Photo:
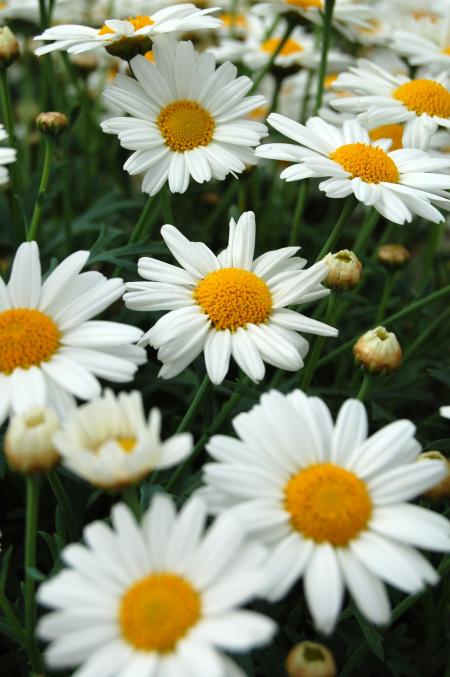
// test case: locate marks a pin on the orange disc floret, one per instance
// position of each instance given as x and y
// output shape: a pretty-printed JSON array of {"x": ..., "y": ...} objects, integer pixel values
[
  {"x": 185, "y": 125},
  {"x": 369, "y": 163},
  {"x": 424, "y": 96},
  {"x": 290, "y": 46},
  {"x": 27, "y": 338}
]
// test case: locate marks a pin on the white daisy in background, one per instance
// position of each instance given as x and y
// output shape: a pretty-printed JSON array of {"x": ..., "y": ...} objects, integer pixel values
[
  {"x": 228, "y": 305},
  {"x": 7, "y": 157},
  {"x": 160, "y": 599},
  {"x": 445, "y": 411},
  {"x": 187, "y": 118},
  {"x": 430, "y": 47},
  {"x": 383, "y": 98},
  {"x": 50, "y": 350},
  {"x": 398, "y": 184},
  {"x": 29, "y": 10},
  {"x": 329, "y": 501},
  {"x": 110, "y": 443},
  {"x": 75, "y": 38}
]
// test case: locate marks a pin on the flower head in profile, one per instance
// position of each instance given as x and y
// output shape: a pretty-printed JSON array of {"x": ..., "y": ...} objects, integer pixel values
[
  {"x": 160, "y": 598},
  {"x": 50, "y": 348},
  {"x": 187, "y": 119},
  {"x": 382, "y": 98},
  {"x": 330, "y": 501},
  {"x": 132, "y": 36},
  {"x": 399, "y": 183},
  {"x": 110, "y": 443},
  {"x": 428, "y": 45},
  {"x": 230, "y": 305},
  {"x": 7, "y": 157}
]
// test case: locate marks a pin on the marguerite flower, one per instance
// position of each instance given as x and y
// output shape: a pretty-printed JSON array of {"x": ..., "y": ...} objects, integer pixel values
[
  {"x": 330, "y": 501},
  {"x": 110, "y": 443},
  {"x": 430, "y": 49},
  {"x": 187, "y": 119},
  {"x": 7, "y": 156},
  {"x": 228, "y": 305},
  {"x": 383, "y": 98},
  {"x": 398, "y": 183},
  {"x": 139, "y": 30},
  {"x": 160, "y": 599},
  {"x": 50, "y": 350},
  {"x": 445, "y": 411}
]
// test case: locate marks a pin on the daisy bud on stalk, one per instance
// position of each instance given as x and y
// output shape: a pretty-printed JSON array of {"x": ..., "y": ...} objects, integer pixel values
[
  {"x": 344, "y": 270},
  {"x": 393, "y": 255},
  {"x": 29, "y": 444},
  {"x": 442, "y": 488},
  {"x": 310, "y": 659},
  {"x": 52, "y": 124},
  {"x": 378, "y": 351},
  {"x": 9, "y": 47}
]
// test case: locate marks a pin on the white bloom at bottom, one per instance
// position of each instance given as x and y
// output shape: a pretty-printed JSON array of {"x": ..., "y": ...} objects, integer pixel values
[
  {"x": 331, "y": 502},
  {"x": 110, "y": 443},
  {"x": 228, "y": 305},
  {"x": 159, "y": 599}
]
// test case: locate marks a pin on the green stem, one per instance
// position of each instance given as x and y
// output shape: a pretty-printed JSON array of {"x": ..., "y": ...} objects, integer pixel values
[
  {"x": 11, "y": 617},
  {"x": 189, "y": 416},
  {"x": 131, "y": 498},
  {"x": 64, "y": 504},
  {"x": 32, "y": 509},
  {"x": 44, "y": 15},
  {"x": 276, "y": 94},
  {"x": 364, "y": 387},
  {"x": 437, "y": 230},
  {"x": 366, "y": 230},
  {"x": 7, "y": 108},
  {"x": 142, "y": 222},
  {"x": 37, "y": 212},
  {"x": 267, "y": 67},
  {"x": 299, "y": 210},
  {"x": 318, "y": 345},
  {"x": 306, "y": 97},
  {"x": 326, "y": 37},
  {"x": 387, "y": 289},
  {"x": 349, "y": 206},
  {"x": 166, "y": 206}
]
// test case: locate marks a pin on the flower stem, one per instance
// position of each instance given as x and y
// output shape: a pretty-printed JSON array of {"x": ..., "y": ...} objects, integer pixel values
[
  {"x": 326, "y": 38},
  {"x": 267, "y": 67},
  {"x": 364, "y": 387},
  {"x": 131, "y": 498},
  {"x": 142, "y": 222},
  {"x": 318, "y": 345},
  {"x": 32, "y": 509},
  {"x": 366, "y": 230},
  {"x": 388, "y": 286},
  {"x": 349, "y": 206},
  {"x": 37, "y": 212},
  {"x": 64, "y": 504},
  {"x": 194, "y": 406},
  {"x": 276, "y": 94},
  {"x": 166, "y": 206},
  {"x": 299, "y": 210}
]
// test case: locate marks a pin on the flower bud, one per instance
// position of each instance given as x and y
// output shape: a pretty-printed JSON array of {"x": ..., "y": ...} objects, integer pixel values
[
  {"x": 442, "y": 488},
  {"x": 310, "y": 659},
  {"x": 9, "y": 47},
  {"x": 29, "y": 441},
  {"x": 393, "y": 255},
  {"x": 52, "y": 123},
  {"x": 344, "y": 270},
  {"x": 378, "y": 351}
]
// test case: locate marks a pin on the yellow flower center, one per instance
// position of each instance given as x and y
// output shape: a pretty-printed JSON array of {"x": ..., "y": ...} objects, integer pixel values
[
  {"x": 419, "y": 14},
  {"x": 27, "y": 338},
  {"x": 290, "y": 46},
  {"x": 149, "y": 56},
  {"x": 304, "y": 4},
  {"x": 234, "y": 20},
  {"x": 424, "y": 96},
  {"x": 233, "y": 298},
  {"x": 446, "y": 51},
  {"x": 394, "y": 132},
  {"x": 157, "y": 611},
  {"x": 127, "y": 444},
  {"x": 369, "y": 163},
  {"x": 185, "y": 125},
  {"x": 329, "y": 79},
  {"x": 137, "y": 21},
  {"x": 328, "y": 504}
]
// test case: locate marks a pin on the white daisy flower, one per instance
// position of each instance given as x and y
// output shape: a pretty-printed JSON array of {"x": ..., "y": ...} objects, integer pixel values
[
  {"x": 398, "y": 184},
  {"x": 29, "y": 10},
  {"x": 110, "y": 443},
  {"x": 383, "y": 98},
  {"x": 7, "y": 157},
  {"x": 330, "y": 501},
  {"x": 141, "y": 29},
  {"x": 430, "y": 47},
  {"x": 161, "y": 598},
  {"x": 50, "y": 349},
  {"x": 445, "y": 411},
  {"x": 187, "y": 118},
  {"x": 228, "y": 305}
]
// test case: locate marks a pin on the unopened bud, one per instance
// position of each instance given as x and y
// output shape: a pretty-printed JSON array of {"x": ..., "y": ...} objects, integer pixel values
[
  {"x": 86, "y": 62},
  {"x": 378, "y": 351},
  {"x": 9, "y": 47},
  {"x": 52, "y": 123},
  {"x": 442, "y": 488},
  {"x": 344, "y": 270},
  {"x": 393, "y": 255},
  {"x": 29, "y": 441},
  {"x": 310, "y": 659}
]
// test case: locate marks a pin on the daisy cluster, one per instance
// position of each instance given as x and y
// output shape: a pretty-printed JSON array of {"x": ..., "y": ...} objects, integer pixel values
[{"x": 355, "y": 93}]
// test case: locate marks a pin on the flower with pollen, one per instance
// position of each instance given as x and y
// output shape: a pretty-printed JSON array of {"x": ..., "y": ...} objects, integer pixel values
[
  {"x": 228, "y": 305},
  {"x": 330, "y": 501},
  {"x": 398, "y": 183},
  {"x": 162, "y": 597}
]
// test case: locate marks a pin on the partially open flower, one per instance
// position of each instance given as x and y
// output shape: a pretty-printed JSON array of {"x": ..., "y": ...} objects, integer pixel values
[
  {"x": 442, "y": 488},
  {"x": 310, "y": 659},
  {"x": 29, "y": 441},
  {"x": 52, "y": 123},
  {"x": 344, "y": 270},
  {"x": 9, "y": 47},
  {"x": 378, "y": 351},
  {"x": 393, "y": 255}
]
